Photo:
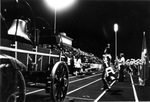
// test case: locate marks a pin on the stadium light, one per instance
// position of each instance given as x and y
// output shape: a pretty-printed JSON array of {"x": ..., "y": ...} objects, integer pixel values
[
  {"x": 116, "y": 29},
  {"x": 58, "y": 5}
]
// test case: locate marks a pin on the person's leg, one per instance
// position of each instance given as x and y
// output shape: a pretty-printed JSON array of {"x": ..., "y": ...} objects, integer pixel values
[
  {"x": 105, "y": 83},
  {"x": 121, "y": 77}
]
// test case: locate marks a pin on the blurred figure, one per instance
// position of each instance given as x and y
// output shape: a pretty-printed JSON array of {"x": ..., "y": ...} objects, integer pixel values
[
  {"x": 121, "y": 64},
  {"x": 107, "y": 49},
  {"x": 143, "y": 75},
  {"x": 128, "y": 67},
  {"x": 106, "y": 64},
  {"x": 69, "y": 63},
  {"x": 72, "y": 65},
  {"x": 78, "y": 65}
]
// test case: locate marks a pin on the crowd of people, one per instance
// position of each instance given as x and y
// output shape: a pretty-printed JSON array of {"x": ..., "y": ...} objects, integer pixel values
[
  {"x": 78, "y": 61},
  {"x": 121, "y": 65}
]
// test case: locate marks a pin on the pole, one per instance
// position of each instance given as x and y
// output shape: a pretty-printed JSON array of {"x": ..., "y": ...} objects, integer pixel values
[
  {"x": 116, "y": 45},
  {"x": 55, "y": 21}
]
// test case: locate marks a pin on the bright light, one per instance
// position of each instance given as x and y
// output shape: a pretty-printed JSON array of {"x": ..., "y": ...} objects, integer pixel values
[
  {"x": 115, "y": 27},
  {"x": 66, "y": 41},
  {"x": 59, "y": 4}
]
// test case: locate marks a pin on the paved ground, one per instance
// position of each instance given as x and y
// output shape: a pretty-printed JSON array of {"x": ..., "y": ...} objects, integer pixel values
[{"x": 88, "y": 89}]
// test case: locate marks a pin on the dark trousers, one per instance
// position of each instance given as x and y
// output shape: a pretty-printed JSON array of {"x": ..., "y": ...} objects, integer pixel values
[
  {"x": 121, "y": 74},
  {"x": 104, "y": 80},
  {"x": 71, "y": 69}
]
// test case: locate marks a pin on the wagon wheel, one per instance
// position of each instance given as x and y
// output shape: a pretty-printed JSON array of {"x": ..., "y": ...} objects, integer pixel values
[
  {"x": 18, "y": 95},
  {"x": 59, "y": 82}
]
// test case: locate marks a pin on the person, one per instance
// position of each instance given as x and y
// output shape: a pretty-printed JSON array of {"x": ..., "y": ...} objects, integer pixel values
[
  {"x": 121, "y": 64},
  {"x": 78, "y": 65},
  {"x": 68, "y": 60},
  {"x": 72, "y": 64},
  {"x": 128, "y": 67},
  {"x": 106, "y": 64},
  {"x": 144, "y": 72},
  {"x": 107, "y": 51}
]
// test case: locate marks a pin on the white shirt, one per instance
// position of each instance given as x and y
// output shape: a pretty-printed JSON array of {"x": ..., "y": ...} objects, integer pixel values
[
  {"x": 121, "y": 61},
  {"x": 78, "y": 63}
]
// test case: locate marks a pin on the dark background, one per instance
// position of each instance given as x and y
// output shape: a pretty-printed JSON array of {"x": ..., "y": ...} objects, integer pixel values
[{"x": 90, "y": 22}]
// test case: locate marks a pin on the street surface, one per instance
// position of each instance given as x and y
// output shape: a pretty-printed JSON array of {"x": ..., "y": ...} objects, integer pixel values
[{"x": 88, "y": 89}]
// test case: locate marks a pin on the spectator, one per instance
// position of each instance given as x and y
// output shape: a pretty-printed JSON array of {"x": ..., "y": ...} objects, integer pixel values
[
  {"x": 72, "y": 64},
  {"x": 78, "y": 65}
]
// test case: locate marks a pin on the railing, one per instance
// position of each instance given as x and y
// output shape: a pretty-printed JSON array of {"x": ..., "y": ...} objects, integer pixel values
[{"x": 27, "y": 52}]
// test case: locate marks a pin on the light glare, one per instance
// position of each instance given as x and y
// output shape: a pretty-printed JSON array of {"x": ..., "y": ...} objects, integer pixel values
[
  {"x": 115, "y": 27},
  {"x": 66, "y": 41},
  {"x": 59, "y": 4}
]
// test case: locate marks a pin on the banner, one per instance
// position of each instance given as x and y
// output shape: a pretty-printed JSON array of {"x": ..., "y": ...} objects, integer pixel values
[{"x": 144, "y": 69}]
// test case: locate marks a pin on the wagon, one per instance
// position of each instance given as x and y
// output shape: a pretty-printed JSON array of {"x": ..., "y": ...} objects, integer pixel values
[
  {"x": 22, "y": 64},
  {"x": 25, "y": 60}
]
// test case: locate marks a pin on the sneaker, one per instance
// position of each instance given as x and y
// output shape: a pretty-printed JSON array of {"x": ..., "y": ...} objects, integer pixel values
[
  {"x": 102, "y": 89},
  {"x": 105, "y": 88},
  {"x": 141, "y": 84}
]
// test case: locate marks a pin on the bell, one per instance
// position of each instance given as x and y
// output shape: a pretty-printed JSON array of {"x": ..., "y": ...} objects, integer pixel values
[{"x": 21, "y": 30}]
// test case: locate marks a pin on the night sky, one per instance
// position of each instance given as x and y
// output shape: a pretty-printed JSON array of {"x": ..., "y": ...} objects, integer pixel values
[{"x": 90, "y": 23}]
